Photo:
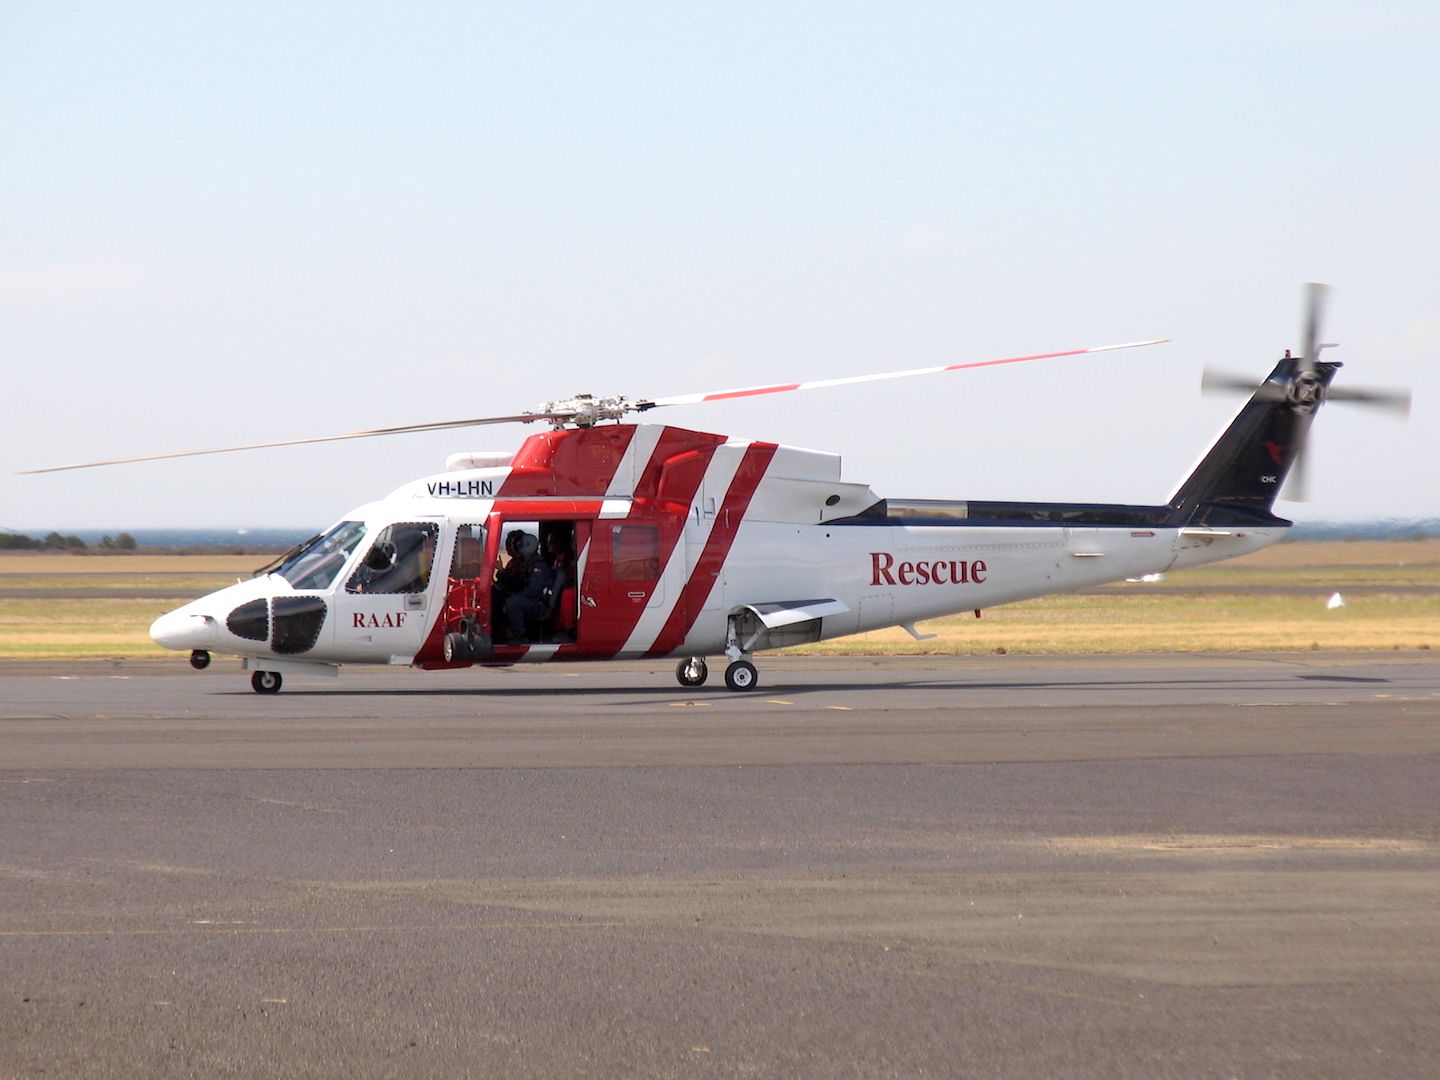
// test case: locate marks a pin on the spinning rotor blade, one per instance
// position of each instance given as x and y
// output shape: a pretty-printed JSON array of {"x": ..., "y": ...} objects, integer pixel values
[
  {"x": 441, "y": 426},
  {"x": 820, "y": 384},
  {"x": 1212, "y": 381},
  {"x": 1297, "y": 485},
  {"x": 1397, "y": 401},
  {"x": 585, "y": 410},
  {"x": 1316, "y": 295},
  {"x": 1306, "y": 389}
]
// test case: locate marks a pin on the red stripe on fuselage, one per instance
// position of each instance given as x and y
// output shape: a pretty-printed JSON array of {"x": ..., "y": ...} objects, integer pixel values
[
  {"x": 537, "y": 509},
  {"x": 555, "y": 463},
  {"x": 717, "y": 548},
  {"x": 577, "y": 462},
  {"x": 672, "y": 441},
  {"x": 671, "y": 522}
]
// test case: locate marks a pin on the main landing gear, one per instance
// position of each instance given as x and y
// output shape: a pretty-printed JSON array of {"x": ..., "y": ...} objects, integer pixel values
[
  {"x": 266, "y": 682},
  {"x": 740, "y": 675}
]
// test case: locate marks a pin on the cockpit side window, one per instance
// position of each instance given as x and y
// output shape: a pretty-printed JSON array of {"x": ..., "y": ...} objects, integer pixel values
[
  {"x": 468, "y": 560},
  {"x": 399, "y": 561},
  {"x": 318, "y": 563}
]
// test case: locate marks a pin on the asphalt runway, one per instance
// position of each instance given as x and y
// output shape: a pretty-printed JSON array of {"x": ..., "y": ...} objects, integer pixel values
[{"x": 1006, "y": 866}]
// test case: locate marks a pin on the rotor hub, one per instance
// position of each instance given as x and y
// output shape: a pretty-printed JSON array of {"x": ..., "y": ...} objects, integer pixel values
[
  {"x": 586, "y": 410},
  {"x": 1306, "y": 391}
]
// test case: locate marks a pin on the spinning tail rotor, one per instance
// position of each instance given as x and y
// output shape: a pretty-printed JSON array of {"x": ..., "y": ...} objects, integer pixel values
[{"x": 1303, "y": 384}]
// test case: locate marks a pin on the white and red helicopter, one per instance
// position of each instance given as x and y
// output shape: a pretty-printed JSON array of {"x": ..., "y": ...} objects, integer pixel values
[{"x": 657, "y": 541}]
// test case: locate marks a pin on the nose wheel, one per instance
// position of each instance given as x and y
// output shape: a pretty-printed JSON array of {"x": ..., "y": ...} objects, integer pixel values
[{"x": 692, "y": 672}]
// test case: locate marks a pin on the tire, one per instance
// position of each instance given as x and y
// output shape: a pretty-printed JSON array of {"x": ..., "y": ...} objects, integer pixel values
[
  {"x": 266, "y": 682},
  {"x": 199, "y": 659},
  {"x": 684, "y": 675},
  {"x": 741, "y": 675},
  {"x": 457, "y": 648}
]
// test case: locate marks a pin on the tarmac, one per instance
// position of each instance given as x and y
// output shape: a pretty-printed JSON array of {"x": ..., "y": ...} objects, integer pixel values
[{"x": 1002, "y": 866}]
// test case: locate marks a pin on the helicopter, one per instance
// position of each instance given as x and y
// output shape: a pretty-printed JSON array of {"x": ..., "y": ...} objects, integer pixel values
[{"x": 604, "y": 539}]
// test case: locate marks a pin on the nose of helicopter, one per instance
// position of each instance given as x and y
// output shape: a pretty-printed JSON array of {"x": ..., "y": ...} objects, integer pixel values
[{"x": 185, "y": 629}]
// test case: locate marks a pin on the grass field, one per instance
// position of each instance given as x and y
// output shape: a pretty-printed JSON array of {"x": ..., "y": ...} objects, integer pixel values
[{"x": 56, "y": 606}]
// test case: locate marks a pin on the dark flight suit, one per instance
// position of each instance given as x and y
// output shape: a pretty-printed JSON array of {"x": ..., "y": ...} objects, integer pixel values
[{"x": 531, "y": 602}]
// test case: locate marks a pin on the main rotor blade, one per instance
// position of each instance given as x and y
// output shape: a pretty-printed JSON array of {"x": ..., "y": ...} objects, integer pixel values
[
  {"x": 401, "y": 430},
  {"x": 851, "y": 380},
  {"x": 587, "y": 410}
]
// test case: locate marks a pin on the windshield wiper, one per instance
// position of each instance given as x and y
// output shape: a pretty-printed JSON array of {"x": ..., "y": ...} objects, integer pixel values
[{"x": 281, "y": 560}]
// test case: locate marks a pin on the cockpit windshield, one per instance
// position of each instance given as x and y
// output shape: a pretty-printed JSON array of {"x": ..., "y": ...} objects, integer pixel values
[{"x": 316, "y": 564}]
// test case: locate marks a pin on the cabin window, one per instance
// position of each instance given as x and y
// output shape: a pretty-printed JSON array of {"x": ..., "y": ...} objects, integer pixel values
[
  {"x": 635, "y": 552},
  {"x": 399, "y": 561},
  {"x": 469, "y": 558},
  {"x": 319, "y": 562}
]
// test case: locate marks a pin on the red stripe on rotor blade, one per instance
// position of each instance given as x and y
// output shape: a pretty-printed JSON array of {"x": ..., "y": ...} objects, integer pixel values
[
  {"x": 717, "y": 548},
  {"x": 1013, "y": 359},
  {"x": 752, "y": 392}
]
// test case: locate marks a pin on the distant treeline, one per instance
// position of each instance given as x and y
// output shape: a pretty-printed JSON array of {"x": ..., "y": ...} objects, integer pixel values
[
  {"x": 55, "y": 541},
  {"x": 1412, "y": 529},
  {"x": 218, "y": 541}
]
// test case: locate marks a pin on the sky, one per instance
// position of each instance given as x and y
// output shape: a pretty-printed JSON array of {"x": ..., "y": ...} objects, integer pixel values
[{"x": 233, "y": 223}]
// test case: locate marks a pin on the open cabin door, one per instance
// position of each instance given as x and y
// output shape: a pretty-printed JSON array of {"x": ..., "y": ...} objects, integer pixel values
[{"x": 530, "y": 587}]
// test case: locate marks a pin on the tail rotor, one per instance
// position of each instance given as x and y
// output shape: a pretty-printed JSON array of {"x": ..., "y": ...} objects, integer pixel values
[{"x": 1305, "y": 387}]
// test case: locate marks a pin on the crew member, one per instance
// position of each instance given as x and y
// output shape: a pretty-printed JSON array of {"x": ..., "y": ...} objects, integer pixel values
[{"x": 532, "y": 600}]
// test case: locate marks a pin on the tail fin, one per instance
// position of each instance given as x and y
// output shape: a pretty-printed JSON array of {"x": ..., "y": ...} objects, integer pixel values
[{"x": 1237, "y": 481}]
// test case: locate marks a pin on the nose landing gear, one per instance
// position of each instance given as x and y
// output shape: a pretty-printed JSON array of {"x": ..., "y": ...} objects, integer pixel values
[
  {"x": 199, "y": 659},
  {"x": 692, "y": 672}
]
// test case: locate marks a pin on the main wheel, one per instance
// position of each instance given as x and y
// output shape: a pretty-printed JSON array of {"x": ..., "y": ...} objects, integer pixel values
[
  {"x": 692, "y": 672},
  {"x": 266, "y": 682},
  {"x": 457, "y": 648},
  {"x": 741, "y": 675}
]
